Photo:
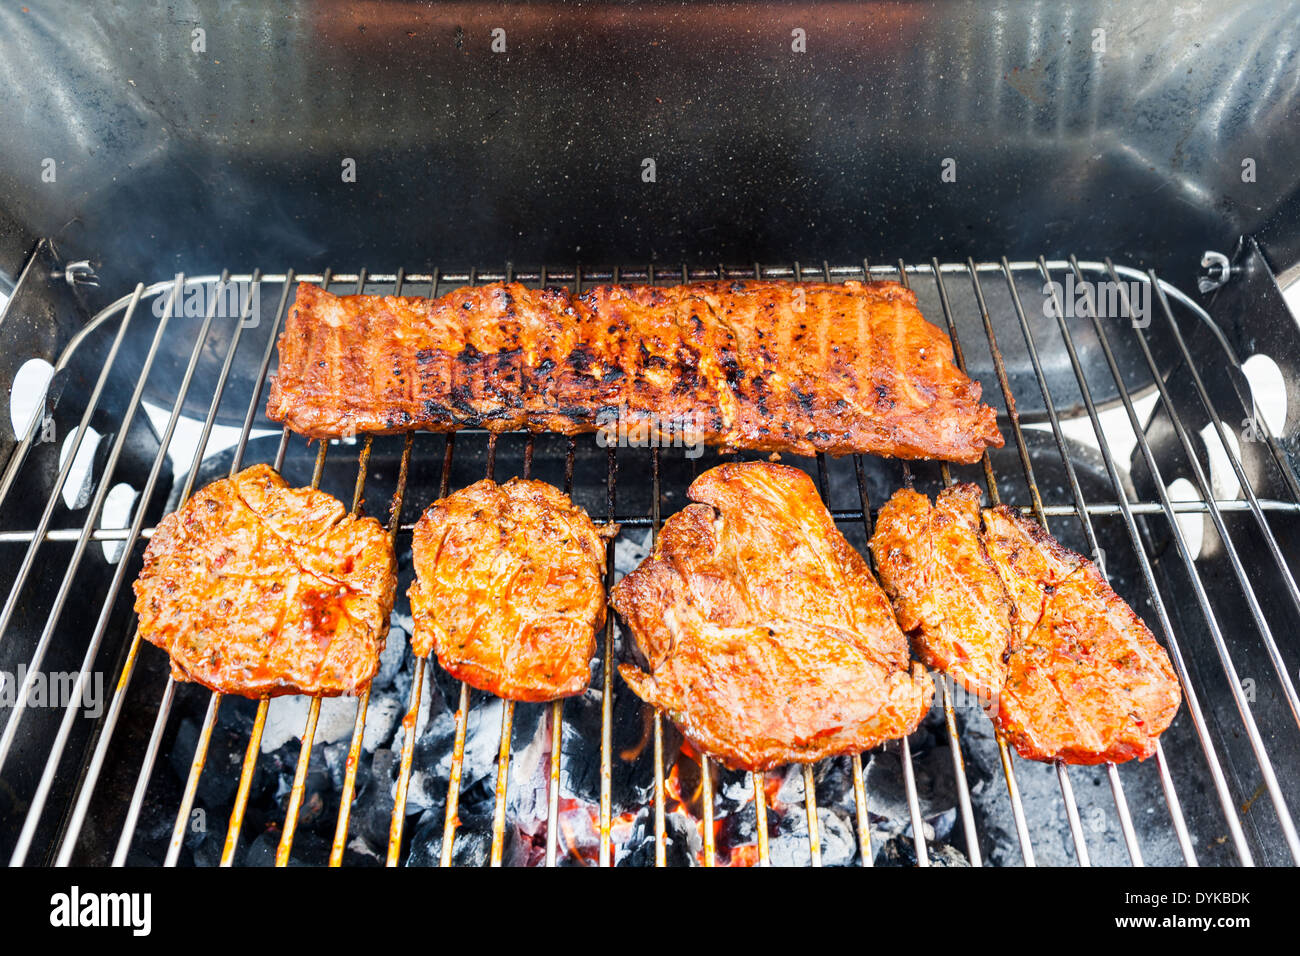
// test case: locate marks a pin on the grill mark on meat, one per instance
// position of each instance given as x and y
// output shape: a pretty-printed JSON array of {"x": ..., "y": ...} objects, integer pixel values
[{"x": 729, "y": 355}]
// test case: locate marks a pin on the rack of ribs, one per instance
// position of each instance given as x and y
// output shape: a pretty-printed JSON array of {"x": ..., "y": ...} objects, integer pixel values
[{"x": 756, "y": 365}]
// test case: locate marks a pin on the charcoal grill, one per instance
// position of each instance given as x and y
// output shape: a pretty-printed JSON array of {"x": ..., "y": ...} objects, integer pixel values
[
  {"x": 931, "y": 138},
  {"x": 1215, "y": 790}
]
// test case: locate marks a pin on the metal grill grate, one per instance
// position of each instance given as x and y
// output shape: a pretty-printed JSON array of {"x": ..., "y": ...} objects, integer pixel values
[{"x": 1078, "y": 344}]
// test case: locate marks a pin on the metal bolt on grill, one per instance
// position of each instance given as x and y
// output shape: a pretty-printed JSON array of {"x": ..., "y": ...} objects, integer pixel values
[{"x": 58, "y": 803}]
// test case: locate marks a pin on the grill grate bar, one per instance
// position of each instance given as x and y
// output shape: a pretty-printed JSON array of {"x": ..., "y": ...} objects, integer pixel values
[
  {"x": 246, "y": 771},
  {"x": 706, "y": 779},
  {"x": 197, "y": 762},
  {"x": 758, "y": 780},
  {"x": 607, "y": 660},
  {"x": 1175, "y": 807},
  {"x": 1086, "y": 392},
  {"x": 285, "y": 846},
  {"x": 507, "y": 713},
  {"x": 249, "y": 765},
  {"x": 411, "y": 722},
  {"x": 1125, "y": 820},
  {"x": 452, "y": 821},
  {"x": 863, "y": 814},
  {"x": 409, "y": 725},
  {"x": 503, "y": 778},
  {"x": 507, "y": 706},
  {"x": 1017, "y": 806},
  {"x": 810, "y": 809},
  {"x": 913, "y": 805},
  {"x": 1098, "y": 509},
  {"x": 661, "y": 852},
  {"x": 1072, "y": 814},
  {"x": 363, "y": 701},
  {"x": 645, "y": 274},
  {"x": 607, "y": 680},
  {"x": 909, "y": 774},
  {"x": 557, "y": 707},
  {"x": 909, "y": 777},
  {"x": 453, "y": 783}
]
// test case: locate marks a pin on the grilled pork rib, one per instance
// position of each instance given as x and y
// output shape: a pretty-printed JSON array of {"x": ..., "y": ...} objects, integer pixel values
[
  {"x": 509, "y": 589},
  {"x": 760, "y": 365},
  {"x": 256, "y": 588},
  {"x": 765, "y": 636},
  {"x": 1005, "y": 609}
]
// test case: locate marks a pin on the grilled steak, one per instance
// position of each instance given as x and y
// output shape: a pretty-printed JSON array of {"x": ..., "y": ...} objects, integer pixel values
[
  {"x": 770, "y": 366},
  {"x": 509, "y": 590},
  {"x": 946, "y": 592},
  {"x": 259, "y": 589},
  {"x": 1082, "y": 680},
  {"x": 1086, "y": 681},
  {"x": 764, "y": 635}
]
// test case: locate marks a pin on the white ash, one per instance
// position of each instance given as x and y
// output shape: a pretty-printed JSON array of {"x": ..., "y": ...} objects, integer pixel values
[{"x": 630, "y": 549}]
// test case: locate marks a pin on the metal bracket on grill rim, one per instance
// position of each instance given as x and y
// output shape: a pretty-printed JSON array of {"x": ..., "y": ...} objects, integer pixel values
[{"x": 1215, "y": 271}]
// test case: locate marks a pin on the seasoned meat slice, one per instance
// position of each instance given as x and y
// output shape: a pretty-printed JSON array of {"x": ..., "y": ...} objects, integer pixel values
[
  {"x": 509, "y": 591},
  {"x": 997, "y": 603},
  {"x": 764, "y": 635},
  {"x": 946, "y": 591},
  {"x": 762, "y": 365},
  {"x": 259, "y": 589},
  {"x": 1086, "y": 682}
]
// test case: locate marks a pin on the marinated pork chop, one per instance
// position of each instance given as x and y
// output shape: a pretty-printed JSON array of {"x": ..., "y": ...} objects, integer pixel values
[
  {"x": 1080, "y": 679},
  {"x": 509, "y": 590},
  {"x": 1086, "y": 682},
  {"x": 765, "y": 636},
  {"x": 259, "y": 589},
  {"x": 947, "y": 594},
  {"x": 770, "y": 366}
]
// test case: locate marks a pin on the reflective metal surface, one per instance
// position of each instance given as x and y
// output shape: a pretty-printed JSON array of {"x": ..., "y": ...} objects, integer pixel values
[{"x": 1129, "y": 141}]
